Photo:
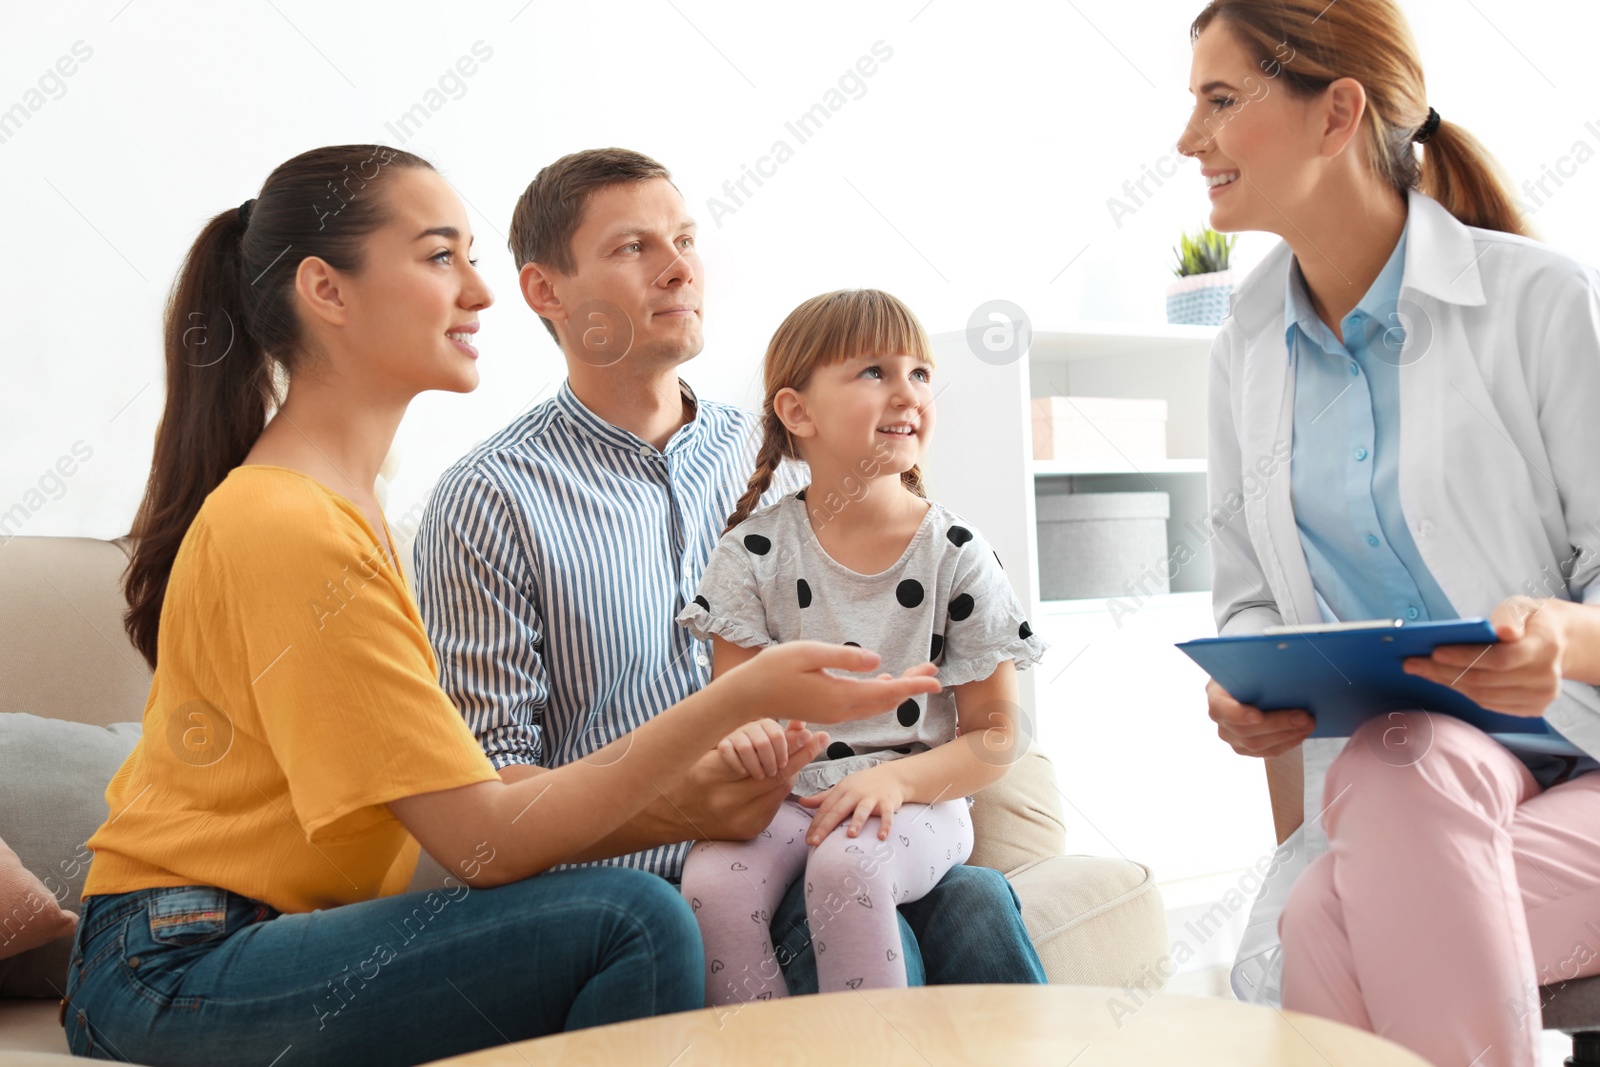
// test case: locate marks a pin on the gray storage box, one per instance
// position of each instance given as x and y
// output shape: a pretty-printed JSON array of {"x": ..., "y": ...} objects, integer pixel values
[{"x": 1095, "y": 544}]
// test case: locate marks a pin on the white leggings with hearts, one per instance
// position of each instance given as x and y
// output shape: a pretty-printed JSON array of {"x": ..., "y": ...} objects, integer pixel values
[{"x": 852, "y": 887}]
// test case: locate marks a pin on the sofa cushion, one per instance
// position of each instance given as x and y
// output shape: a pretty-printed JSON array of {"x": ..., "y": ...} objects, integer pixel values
[
  {"x": 30, "y": 1033},
  {"x": 1095, "y": 920},
  {"x": 63, "y": 651},
  {"x": 30, "y": 915},
  {"x": 55, "y": 774},
  {"x": 1018, "y": 820}
]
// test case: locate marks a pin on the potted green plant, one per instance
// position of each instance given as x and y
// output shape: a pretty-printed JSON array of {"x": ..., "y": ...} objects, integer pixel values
[{"x": 1200, "y": 295}]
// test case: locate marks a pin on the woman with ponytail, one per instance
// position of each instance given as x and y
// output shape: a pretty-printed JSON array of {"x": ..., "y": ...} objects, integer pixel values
[
  {"x": 247, "y": 896},
  {"x": 859, "y": 555},
  {"x": 1431, "y": 375}
]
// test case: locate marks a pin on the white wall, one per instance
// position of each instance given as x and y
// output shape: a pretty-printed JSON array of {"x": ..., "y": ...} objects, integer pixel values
[{"x": 977, "y": 164}]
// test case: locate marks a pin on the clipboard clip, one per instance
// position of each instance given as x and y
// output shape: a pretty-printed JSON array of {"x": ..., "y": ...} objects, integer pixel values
[{"x": 1332, "y": 627}]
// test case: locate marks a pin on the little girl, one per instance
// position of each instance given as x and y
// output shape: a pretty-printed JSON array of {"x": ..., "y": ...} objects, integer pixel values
[{"x": 857, "y": 557}]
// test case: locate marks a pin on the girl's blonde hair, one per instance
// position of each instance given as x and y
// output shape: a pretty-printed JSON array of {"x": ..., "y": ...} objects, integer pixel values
[
  {"x": 826, "y": 330},
  {"x": 1310, "y": 43}
]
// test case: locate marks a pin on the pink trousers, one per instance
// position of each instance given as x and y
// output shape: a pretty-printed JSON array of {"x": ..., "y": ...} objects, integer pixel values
[{"x": 1453, "y": 888}]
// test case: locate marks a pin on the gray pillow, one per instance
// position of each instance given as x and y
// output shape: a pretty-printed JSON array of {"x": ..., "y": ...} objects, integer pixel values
[{"x": 53, "y": 778}]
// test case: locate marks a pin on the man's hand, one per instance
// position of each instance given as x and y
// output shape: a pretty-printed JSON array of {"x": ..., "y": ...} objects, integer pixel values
[
  {"x": 1519, "y": 676},
  {"x": 713, "y": 801}
]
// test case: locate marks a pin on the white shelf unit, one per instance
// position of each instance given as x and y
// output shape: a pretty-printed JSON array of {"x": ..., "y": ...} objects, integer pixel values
[
  {"x": 1118, "y": 709},
  {"x": 1137, "y": 361},
  {"x": 1050, "y": 467},
  {"x": 981, "y": 463}
]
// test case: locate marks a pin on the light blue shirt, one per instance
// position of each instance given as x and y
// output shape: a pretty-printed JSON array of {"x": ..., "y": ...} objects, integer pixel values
[{"x": 1345, "y": 475}]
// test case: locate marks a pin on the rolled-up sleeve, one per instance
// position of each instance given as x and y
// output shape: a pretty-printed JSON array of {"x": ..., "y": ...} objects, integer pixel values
[{"x": 477, "y": 591}]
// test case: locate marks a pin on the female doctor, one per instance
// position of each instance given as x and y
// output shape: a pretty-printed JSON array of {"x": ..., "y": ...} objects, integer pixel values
[{"x": 1436, "y": 375}]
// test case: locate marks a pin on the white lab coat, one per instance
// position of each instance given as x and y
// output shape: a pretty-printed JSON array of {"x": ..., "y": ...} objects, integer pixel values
[{"x": 1499, "y": 469}]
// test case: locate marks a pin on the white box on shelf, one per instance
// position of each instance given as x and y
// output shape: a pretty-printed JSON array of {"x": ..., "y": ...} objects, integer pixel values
[
  {"x": 1099, "y": 428},
  {"x": 1092, "y": 544}
]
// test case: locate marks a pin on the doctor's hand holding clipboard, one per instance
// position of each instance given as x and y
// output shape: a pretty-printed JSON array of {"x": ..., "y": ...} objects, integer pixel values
[
  {"x": 1518, "y": 676},
  {"x": 1522, "y": 674}
]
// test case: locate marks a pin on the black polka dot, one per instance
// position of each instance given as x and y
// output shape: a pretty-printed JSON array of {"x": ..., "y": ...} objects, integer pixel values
[
  {"x": 1024, "y": 631},
  {"x": 803, "y": 591},
  {"x": 801, "y": 495},
  {"x": 853, "y": 644},
  {"x": 935, "y": 648},
  {"x": 909, "y": 593},
  {"x": 997, "y": 560},
  {"x": 961, "y": 607},
  {"x": 909, "y": 713},
  {"x": 757, "y": 544},
  {"x": 840, "y": 750},
  {"x": 959, "y": 535},
  {"x": 703, "y": 602}
]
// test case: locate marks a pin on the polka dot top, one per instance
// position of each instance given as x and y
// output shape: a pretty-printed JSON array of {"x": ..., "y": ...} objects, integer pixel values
[{"x": 946, "y": 599}]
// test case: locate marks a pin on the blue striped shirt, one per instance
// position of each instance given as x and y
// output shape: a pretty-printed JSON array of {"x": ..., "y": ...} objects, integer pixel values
[{"x": 551, "y": 563}]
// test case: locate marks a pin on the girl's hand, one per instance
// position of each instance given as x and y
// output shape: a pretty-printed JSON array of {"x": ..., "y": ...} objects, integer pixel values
[
  {"x": 1253, "y": 732},
  {"x": 790, "y": 681},
  {"x": 874, "y": 790},
  {"x": 1521, "y": 675},
  {"x": 761, "y": 749}
]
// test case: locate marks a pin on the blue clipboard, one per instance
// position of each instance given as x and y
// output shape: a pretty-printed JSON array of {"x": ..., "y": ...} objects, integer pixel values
[{"x": 1347, "y": 673}]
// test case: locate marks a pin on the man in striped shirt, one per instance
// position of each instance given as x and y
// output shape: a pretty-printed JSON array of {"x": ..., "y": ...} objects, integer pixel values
[{"x": 553, "y": 559}]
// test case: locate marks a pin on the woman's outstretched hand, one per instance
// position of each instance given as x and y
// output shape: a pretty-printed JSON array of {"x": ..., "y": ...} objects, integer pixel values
[
  {"x": 1253, "y": 732},
  {"x": 1519, "y": 676},
  {"x": 790, "y": 681}
]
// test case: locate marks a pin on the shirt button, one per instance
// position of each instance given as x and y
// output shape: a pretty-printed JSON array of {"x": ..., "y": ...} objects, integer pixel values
[
  {"x": 1355, "y": 368},
  {"x": 645, "y": 450},
  {"x": 1361, "y": 453},
  {"x": 701, "y": 659},
  {"x": 1412, "y": 613},
  {"x": 1425, "y": 528},
  {"x": 1372, "y": 539}
]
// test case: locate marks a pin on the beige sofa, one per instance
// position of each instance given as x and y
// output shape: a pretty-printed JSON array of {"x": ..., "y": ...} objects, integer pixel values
[{"x": 63, "y": 655}]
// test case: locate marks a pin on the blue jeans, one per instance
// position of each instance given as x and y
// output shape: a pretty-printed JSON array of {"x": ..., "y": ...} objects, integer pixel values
[
  {"x": 198, "y": 975},
  {"x": 969, "y": 929}
]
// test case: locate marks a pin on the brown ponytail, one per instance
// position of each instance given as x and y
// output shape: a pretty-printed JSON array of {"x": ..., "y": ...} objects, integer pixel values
[
  {"x": 1460, "y": 173},
  {"x": 1311, "y": 43},
  {"x": 827, "y": 329},
  {"x": 232, "y": 337}
]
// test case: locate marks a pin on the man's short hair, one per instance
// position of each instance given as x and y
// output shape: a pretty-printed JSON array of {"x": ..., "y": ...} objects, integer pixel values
[{"x": 550, "y": 209}]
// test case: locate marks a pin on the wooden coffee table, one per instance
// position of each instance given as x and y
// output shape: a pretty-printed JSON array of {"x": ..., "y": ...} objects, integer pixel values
[{"x": 933, "y": 1026}]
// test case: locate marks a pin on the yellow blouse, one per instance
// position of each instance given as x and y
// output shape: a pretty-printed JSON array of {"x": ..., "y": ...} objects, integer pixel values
[{"x": 295, "y": 695}]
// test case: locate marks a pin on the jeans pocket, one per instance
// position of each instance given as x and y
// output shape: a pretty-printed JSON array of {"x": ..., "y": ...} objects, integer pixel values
[{"x": 188, "y": 915}]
